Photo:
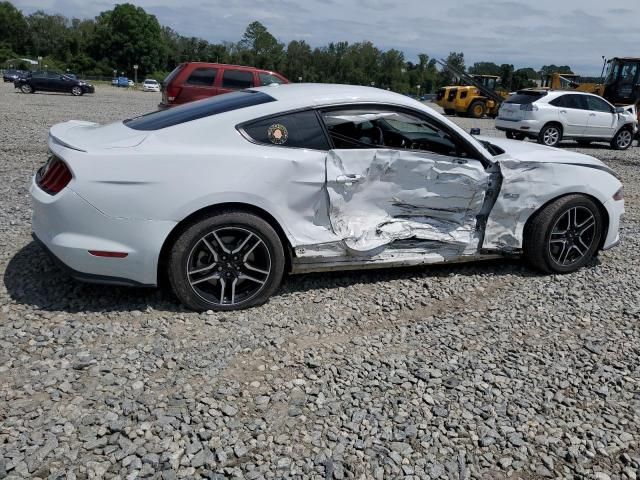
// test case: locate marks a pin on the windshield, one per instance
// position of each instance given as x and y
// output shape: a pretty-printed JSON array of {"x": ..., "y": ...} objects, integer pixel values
[{"x": 524, "y": 97}]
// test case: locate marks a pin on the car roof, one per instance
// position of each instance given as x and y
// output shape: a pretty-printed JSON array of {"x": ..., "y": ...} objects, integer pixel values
[
  {"x": 241, "y": 67},
  {"x": 316, "y": 94}
]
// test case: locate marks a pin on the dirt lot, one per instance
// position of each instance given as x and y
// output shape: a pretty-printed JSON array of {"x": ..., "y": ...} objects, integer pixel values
[{"x": 477, "y": 371}]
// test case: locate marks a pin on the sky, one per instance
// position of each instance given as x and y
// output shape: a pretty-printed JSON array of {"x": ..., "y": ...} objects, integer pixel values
[{"x": 521, "y": 32}]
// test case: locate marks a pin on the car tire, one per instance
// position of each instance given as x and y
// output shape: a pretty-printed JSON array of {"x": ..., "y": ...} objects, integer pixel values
[
  {"x": 477, "y": 109},
  {"x": 26, "y": 88},
  {"x": 550, "y": 135},
  {"x": 229, "y": 261},
  {"x": 76, "y": 91},
  {"x": 622, "y": 140},
  {"x": 564, "y": 236}
]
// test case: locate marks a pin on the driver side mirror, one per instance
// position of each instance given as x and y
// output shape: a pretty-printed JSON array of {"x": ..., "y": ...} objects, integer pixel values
[
  {"x": 618, "y": 110},
  {"x": 474, "y": 131}
]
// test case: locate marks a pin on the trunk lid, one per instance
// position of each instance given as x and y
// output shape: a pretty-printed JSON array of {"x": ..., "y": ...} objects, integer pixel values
[{"x": 87, "y": 136}]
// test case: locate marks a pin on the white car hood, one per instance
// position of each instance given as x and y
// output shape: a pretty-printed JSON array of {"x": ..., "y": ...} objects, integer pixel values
[
  {"x": 533, "y": 152},
  {"x": 87, "y": 136}
]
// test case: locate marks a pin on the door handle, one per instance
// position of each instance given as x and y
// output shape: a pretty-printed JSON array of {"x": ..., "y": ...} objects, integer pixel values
[
  {"x": 563, "y": 111},
  {"x": 592, "y": 114},
  {"x": 349, "y": 178}
]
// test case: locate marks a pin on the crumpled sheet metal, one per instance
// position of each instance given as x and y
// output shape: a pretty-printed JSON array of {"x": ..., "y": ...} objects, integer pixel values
[
  {"x": 404, "y": 195},
  {"x": 525, "y": 186}
]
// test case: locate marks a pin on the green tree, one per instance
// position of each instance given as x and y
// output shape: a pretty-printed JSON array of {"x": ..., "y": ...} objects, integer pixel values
[
  {"x": 128, "y": 36},
  {"x": 549, "y": 69},
  {"x": 260, "y": 47},
  {"x": 484, "y": 68},
  {"x": 456, "y": 60},
  {"x": 49, "y": 35},
  {"x": 14, "y": 29},
  {"x": 299, "y": 62}
]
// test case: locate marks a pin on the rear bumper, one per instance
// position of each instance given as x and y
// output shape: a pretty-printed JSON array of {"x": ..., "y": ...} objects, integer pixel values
[
  {"x": 87, "y": 277},
  {"x": 69, "y": 227},
  {"x": 522, "y": 126}
]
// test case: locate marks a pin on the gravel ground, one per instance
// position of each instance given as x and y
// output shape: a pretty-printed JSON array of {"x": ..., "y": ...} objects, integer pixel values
[{"x": 476, "y": 371}]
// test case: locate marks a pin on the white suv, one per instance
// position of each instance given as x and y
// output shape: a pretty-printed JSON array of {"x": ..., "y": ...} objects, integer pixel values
[{"x": 551, "y": 116}]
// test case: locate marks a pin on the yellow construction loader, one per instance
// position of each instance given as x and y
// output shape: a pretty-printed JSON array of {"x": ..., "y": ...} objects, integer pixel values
[{"x": 475, "y": 99}]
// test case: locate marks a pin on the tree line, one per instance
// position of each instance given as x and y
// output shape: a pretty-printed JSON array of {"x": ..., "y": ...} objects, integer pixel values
[{"x": 127, "y": 35}]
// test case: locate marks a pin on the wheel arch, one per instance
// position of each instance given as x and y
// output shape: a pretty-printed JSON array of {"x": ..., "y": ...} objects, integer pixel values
[
  {"x": 212, "y": 210},
  {"x": 554, "y": 122},
  {"x": 599, "y": 204}
]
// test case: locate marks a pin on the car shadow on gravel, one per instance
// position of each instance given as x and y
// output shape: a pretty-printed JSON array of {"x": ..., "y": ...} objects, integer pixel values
[{"x": 34, "y": 280}]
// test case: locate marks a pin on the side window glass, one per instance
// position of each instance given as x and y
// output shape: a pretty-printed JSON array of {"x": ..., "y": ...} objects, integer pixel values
[
  {"x": 268, "y": 79},
  {"x": 598, "y": 105},
  {"x": 203, "y": 76},
  {"x": 371, "y": 128},
  {"x": 299, "y": 130},
  {"x": 237, "y": 79},
  {"x": 560, "y": 101},
  {"x": 576, "y": 102}
]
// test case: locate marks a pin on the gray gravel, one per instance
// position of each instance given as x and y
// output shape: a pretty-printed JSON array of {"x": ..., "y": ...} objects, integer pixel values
[{"x": 476, "y": 371}]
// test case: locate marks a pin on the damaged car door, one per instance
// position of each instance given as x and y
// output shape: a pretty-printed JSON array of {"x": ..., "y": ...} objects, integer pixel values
[{"x": 401, "y": 184}]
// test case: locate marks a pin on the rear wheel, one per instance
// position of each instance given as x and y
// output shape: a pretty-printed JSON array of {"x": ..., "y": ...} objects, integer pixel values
[
  {"x": 477, "y": 109},
  {"x": 550, "y": 135},
  {"x": 229, "y": 261},
  {"x": 26, "y": 88},
  {"x": 564, "y": 236},
  {"x": 76, "y": 91},
  {"x": 622, "y": 140}
]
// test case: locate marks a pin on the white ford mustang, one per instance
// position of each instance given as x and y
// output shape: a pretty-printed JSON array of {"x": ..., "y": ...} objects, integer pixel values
[{"x": 226, "y": 194}]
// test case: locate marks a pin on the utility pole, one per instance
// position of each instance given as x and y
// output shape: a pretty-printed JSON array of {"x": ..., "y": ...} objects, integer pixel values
[{"x": 135, "y": 74}]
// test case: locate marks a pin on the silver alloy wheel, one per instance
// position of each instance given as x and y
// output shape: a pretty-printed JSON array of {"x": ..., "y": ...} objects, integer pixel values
[
  {"x": 551, "y": 136},
  {"x": 76, "y": 91},
  {"x": 624, "y": 139},
  {"x": 572, "y": 236},
  {"x": 26, "y": 88},
  {"x": 228, "y": 266}
]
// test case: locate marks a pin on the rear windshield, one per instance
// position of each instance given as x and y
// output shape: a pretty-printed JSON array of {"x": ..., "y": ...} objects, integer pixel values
[
  {"x": 523, "y": 98},
  {"x": 198, "y": 109}
]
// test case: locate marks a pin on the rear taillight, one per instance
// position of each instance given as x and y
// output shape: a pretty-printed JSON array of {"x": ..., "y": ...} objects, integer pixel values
[
  {"x": 529, "y": 107},
  {"x": 173, "y": 92},
  {"x": 54, "y": 176}
]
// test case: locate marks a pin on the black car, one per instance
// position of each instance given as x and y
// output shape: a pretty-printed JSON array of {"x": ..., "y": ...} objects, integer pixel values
[
  {"x": 52, "y": 82},
  {"x": 12, "y": 75}
]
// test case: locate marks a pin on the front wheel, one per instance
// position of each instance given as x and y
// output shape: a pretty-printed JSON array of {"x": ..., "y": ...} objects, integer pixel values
[
  {"x": 76, "y": 91},
  {"x": 564, "y": 236},
  {"x": 550, "y": 135},
  {"x": 228, "y": 261},
  {"x": 477, "y": 109},
  {"x": 26, "y": 88},
  {"x": 622, "y": 140}
]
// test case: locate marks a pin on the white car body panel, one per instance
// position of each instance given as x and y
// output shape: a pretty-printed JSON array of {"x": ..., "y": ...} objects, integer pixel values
[{"x": 131, "y": 188}]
